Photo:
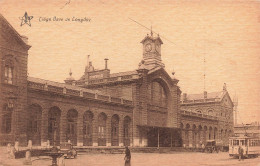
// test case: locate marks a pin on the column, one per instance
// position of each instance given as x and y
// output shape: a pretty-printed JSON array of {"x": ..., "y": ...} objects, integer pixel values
[
  {"x": 108, "y": 131},
  {"x": 80, "y": 129},
  {"x": 121, "y": 131},
  {"x": 44, "y": 127}
]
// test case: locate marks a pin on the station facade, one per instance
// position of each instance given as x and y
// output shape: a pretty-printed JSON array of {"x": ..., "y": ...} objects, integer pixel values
[{"x": 142, "y": 107}]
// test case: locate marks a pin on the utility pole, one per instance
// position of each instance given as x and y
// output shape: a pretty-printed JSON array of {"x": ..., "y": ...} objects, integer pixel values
[{"x": 235, "y": 102}]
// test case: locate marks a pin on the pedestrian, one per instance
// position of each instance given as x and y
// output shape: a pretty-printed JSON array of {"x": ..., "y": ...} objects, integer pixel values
[
  {"x": 127, "y": 157},
  {"x": 240, "y": 153}
]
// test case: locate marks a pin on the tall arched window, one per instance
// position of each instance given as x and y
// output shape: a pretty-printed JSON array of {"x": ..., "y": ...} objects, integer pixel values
[
  {"x": 102, "y": 129},
  {"x": 7, "y": 120},
  {"x": 157, "y": 94},
  {"x": 87, "y": 128},
  {"x": 72, "y": 117},
  {"x": 9, "y": 72}
]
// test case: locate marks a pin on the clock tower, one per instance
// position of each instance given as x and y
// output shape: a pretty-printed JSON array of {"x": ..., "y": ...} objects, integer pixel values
[{"x": 152, "y": 51}]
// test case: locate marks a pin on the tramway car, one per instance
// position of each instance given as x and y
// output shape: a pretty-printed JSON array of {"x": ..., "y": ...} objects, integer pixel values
[{"x": 250, "y": 145}]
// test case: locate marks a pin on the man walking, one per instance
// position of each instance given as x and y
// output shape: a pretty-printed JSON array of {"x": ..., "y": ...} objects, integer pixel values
[
  {"x": 127, "y": 157},
  {"x": 241, "y": 151}
]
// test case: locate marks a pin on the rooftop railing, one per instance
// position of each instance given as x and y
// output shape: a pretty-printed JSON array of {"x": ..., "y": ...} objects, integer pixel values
[
  {"x": 197, "y": 114},
  {"x": 112, "y": 79},
  {"x": 199, "y": 100},
  {"x": 80, "y": 92}
]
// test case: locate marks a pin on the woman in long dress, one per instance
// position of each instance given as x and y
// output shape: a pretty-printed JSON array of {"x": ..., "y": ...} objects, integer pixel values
[{"x": 127, "y": 157}]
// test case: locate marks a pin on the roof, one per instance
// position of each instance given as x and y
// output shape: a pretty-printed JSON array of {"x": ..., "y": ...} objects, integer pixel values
[
  {"x": 152, "y": 38},
  {"x": 21, "y": 38},
  {"x": 62, "y": 85},
  {"x": 123, "y": 73},
  {"x": 210, "y": 95}
]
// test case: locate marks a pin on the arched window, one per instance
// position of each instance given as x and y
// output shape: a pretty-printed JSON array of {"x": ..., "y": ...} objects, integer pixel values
[
  {"x": 210, "y": 112},
  {"x": 102, "y": 129},
  {"x": 9, "y": 72},
  {"x": 87, "y": 128},
  {"x": 157, "y": 94},
  {"x": 72, "y": 116},
  {"x": 7, "y": 120}
]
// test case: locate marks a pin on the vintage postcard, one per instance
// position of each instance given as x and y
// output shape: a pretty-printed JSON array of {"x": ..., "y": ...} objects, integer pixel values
[{"x": 129, "y": 82}]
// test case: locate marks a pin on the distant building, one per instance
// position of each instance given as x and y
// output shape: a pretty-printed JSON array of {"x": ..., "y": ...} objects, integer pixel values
[
  {"x": 252, "y": 130},
  {"x": 141, "y": 107},
  {"x": 206, "y": 116}
]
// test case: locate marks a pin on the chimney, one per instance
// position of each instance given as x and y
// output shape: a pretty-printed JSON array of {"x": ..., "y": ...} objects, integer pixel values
[
  {"x": 106, "y": 62},
  {"x": 184, "y": 96},
  {"x": 205, "y": 94}
]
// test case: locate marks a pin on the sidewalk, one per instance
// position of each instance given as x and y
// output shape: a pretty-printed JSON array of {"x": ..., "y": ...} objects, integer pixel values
[{"x": 5, "y": 161}]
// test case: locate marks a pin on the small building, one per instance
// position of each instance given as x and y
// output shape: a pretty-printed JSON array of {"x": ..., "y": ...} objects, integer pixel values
[
  {"x": 206, "y": 116},
  {"x": 251, "y": 130}
]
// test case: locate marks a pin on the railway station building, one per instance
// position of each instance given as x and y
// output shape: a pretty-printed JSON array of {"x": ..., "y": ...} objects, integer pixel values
[{"x": 140, "y": 108}]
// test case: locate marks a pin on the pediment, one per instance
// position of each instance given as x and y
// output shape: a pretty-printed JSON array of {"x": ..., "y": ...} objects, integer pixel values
[{"x": 160, "y": 73}]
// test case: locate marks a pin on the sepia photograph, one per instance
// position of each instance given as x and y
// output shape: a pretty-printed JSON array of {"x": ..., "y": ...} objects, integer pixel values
[{"x": 130, "y": 82}]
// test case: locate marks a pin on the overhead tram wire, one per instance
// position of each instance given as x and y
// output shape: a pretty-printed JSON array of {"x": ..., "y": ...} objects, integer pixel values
[
  {"x": 157, "y": 34},
  {"x": 242, "y": 124}
]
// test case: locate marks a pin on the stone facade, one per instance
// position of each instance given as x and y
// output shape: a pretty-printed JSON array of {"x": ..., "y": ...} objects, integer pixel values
[
  {"x": 142, "y": 107},
  {"x": 13, "y": 89},
  {"x": 206, "y": 116}
]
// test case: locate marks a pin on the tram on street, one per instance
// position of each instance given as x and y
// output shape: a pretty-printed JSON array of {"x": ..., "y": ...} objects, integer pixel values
[{"x": 250, "y": 145}]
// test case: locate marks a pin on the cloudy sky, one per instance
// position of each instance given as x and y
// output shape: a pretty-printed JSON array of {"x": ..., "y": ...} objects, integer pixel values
[{"x": 226, "y": 33}]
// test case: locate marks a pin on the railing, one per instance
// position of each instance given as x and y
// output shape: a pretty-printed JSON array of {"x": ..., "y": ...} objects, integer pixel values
[
  {"x": 113, "y": 79},
  {"x": 72, "y": 92},
  {"x": 55, "y": 89},
  {"x": 197, "y": 114},
  {"x": 102, "y": 97},
  {"x": 116, "y": 100},
  {"x": 81, "y": 92},
  {"x": 89, "y": 95},
  {"x": 200, "y": 100},
  {"x": 36, "y": 85},
  {"x": 127, "y": 77},
  {"x": 157, "y": 108}
]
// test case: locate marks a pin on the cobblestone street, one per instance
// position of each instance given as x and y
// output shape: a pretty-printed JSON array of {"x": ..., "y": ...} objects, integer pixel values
[{"x": 142, "y": 159}]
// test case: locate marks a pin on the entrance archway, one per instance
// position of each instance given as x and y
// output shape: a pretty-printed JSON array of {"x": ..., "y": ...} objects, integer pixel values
[{"x": 54, "y": 125}]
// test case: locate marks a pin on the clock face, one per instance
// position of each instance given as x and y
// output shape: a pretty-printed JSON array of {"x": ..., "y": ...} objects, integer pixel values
[
  {"x": 157, "y": 47},
  {"x": 148, "y": 47}
]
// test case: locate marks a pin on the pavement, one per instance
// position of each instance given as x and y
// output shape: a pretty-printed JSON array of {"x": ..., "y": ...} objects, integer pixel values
[{"x": 140, "y": 159}]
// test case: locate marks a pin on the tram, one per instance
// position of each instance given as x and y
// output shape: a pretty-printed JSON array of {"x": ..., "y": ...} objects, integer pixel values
[{"x": 250, "y": 145}]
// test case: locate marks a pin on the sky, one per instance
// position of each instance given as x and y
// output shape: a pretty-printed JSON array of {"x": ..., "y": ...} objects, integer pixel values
[{"x": 226, "y": 33}]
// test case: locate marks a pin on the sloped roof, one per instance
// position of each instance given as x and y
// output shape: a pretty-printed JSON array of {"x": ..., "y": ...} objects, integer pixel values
[
  {"x": 62, "y": 85},
  {"x": 152, "y": 38},
  {"x": 21, "y": 38}
]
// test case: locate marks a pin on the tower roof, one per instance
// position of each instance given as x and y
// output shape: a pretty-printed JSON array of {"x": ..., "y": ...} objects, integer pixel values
[{"x": 151, "y": 37}]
